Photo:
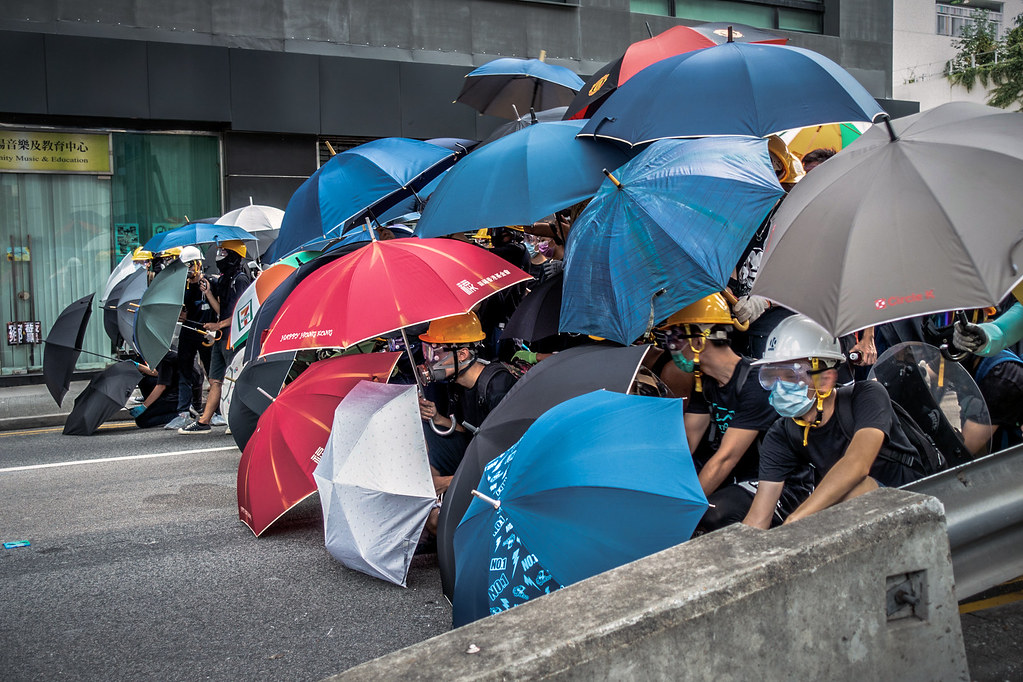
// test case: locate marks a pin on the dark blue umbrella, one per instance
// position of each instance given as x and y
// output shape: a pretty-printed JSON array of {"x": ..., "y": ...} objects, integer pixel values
[
  {"x": 510, "y": 87},
  {"x": 361, "y": 182},
  {"x": 518, "y": 179},
  {"x": 196, "y": 233},
  {"x": 596, "y": 482},
  {"x": 731, "y": 89},
  {"x": 666, "y": 231}
]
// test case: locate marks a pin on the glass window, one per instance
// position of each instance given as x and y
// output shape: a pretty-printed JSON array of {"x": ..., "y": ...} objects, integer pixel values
[
  {"x": 660, "y": 7},
  {"x": 799, "y": 20},
  {"x": 761, "y": 16}
]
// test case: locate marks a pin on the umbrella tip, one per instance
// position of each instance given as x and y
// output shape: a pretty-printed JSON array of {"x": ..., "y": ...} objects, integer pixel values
[
  {"x": 543, "y": 55},
  {"x": 730, "y": 38},
  {"x": 496, "y": 504},
  {"x": 612, "y": 178}
]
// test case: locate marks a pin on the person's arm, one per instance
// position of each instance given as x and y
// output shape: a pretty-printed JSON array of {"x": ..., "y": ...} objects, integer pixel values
[
  {"x": 866, "y": 348},
  {"x": 848, "y": 474},
  {"x": 696, "y": 425},
  {"x": 764, "y": 503},
  {"x": 734, "y": 445},
  {"x": 154, "y": 395}
]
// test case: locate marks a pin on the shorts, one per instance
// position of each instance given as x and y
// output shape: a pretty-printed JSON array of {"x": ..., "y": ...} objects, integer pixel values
[{"x": 220, "y": 358}]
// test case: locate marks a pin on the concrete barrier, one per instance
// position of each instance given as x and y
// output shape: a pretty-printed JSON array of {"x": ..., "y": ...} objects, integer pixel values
[{"x": 860, "y": 591}]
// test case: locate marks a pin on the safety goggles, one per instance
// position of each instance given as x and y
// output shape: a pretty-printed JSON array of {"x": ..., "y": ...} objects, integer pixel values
[
  {"x": 433, "y": 354},
  {"x": 671, "y": 338},
  {"x": 796, "y": 372}
]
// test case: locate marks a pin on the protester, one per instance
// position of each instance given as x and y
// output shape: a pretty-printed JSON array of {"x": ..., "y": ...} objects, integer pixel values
[
  {"x": 990, "y": 338},
  {"x": 197, "y": 311},
  {"x": 816, "y": 157},
  {"x": 800, "y": 370},
  {"x": 159, "y": 389}
]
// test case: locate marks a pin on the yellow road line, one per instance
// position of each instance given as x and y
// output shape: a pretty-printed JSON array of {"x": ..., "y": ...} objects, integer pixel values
[
  {"x": 991, "y": 602},
  {"x": 58, "y": 429}
]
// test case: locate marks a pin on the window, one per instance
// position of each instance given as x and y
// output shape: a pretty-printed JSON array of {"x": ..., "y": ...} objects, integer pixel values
[
  {"x": 789, "y": 15},
  {"x": 952, "y": 18}
]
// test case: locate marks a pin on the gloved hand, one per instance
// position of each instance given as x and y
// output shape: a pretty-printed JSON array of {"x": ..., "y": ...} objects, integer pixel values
[
  {"x": 749, "y": 308},
  {"x": 136, "y": 411},
  {"x": 969, "y": 337},
  {"x": 527, "y": 356}
]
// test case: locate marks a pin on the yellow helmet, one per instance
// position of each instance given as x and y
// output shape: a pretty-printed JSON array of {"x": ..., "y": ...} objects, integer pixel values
[
  {"x": 464, "y": 328},
  {"x": 140, "y": 255},
  {"x": 1018, "y": 292},
  {"x": 236, "y": 245},
  {"x": 784, "y": 160},
  {"x": 710, "y": 310},
  {"x": 172, "y": 252}
]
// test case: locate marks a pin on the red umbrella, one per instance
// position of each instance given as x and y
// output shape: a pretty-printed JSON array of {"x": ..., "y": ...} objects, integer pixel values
[
  {"x": 638, "y": 56},
  {"x": 276, "y": 469},
  {"x": 386, "y": 286}
]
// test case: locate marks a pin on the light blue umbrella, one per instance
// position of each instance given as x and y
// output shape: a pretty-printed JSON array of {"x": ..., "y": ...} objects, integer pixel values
[
  {"x": 666, "y": 231},
  {"x": 596, "y": 482},
  {"x": 196, "y": 233},
  {"x": 518, "y": 179},
  {"x": 509, "y": 87}
]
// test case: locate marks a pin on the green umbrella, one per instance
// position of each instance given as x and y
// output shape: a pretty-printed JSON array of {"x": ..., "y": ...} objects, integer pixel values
[{"x": 158, "y": 312}]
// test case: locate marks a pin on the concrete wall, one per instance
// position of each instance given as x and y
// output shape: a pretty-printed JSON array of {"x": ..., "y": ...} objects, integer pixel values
[{"x": 810, "y": 601}]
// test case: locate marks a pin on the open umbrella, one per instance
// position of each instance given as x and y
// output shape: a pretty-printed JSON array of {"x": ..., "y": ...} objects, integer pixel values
[
  {"x": 196, "y": 234},
  {"x": 666, "y": 232},
  {"x": 834, "y": 136},
  {"x": 922, "y": 217},
  {"x": 360, "y": 182},
  {"x": 255, "y": 387},
  {"x": 128, "y": 306},
  {"x": 518, "y": 179},
  {"x": 263, "y": 222},
  {"x": 596, "y": 482},
  {"x": 123, "y": 269},
  {"x": 276, "y": 469},
  {"x": 133, "y": 284},
  {"x": 158, "y": 313},
  {"x": 566, "y": 375},
  {"x": 248, "y": 304},
  {"x": 509, "y": 86},
  {"x": 539, "y": 314},
  {"x": 106, "y": 393},
  {"x": 639, "y": 55},
  {"x": 731, "y": 89},
  {"x": 374, "y": 480},
  {"x": 524, "y": 121},
  {"x": 386, "y": 286},
  {"x": 64, "y": 346}
]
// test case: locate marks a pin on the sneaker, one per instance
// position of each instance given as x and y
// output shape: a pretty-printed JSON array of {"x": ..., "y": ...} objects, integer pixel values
[
  {"x": 138, "y": 400},
  {"x": 218, "y": 420},
  {"x": 181, "y": 420},
  {"x": 227, "y": 431},
  {"x": 195, "y": 427}
]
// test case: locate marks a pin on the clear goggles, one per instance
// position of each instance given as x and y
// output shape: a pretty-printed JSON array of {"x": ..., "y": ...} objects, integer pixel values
[
  {"x": 796, "y": 372},
  {"x": 433, "y": 354},
  {"x": 672, "y": 338}
]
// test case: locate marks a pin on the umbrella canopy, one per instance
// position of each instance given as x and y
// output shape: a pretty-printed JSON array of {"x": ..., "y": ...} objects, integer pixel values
[
  {"x": 374, "y": 480},
  {"x": 64, "y": 346},
  {"x": 106, "y": 393},
  {"x": 196, "y": 233},
  {"x": 252, "y": 298},
  {"x": 123, "y": 269},
  {"x": 276, "y": 469},
  {"x": 596, "y": 482},
  {"x": 731, "y": 89},
  {"x": 922, "y": 219},
  {"x": 135, "y": 284},
  {"x": 361, "y": 182},
  {"x": 385, "y": 286},
  {"x": 835, "y": 136},
  {"x": 668, "y": 233},
  {"x": 539, "y": 314},
  {"x": 255, "y": 386},
  {"x": 638, "y": 56},
  {"x": 158, "y": 313},
  {"x": 509, "y": 86},
  {"x": 264, "y": 222},
  {"x": 128, "y": 305},
  {"x": 234, "y": 369},
  {"x": 519, "y": 179},
  {"x": 527, "y": 119}
]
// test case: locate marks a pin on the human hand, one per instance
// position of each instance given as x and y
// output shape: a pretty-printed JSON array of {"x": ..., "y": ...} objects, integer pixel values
[
  {"x": 529, "y": 357},
  {"x": 969, "y": 337},
  {"x": 866, "y": 350},
  {"x": 749, "y": 308},
  {"x": 204, "y": 284},
  {"x": 427, "y": 409},
  {"x": 137, "y": 411}
]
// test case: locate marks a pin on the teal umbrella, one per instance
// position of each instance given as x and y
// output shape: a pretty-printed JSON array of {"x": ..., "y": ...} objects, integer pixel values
[{"x": 158, "y": 313}]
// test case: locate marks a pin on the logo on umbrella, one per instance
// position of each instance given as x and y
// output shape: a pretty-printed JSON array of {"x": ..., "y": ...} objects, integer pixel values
[
  {"x": 245, "y": 314},
  {"x": 880, "y": 304},
  {"x": 598, "y": 85},
  {"x": 466, "y": 286}
]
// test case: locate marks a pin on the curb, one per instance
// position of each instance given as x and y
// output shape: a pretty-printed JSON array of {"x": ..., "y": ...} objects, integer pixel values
[{"x": 37, "y": 421}]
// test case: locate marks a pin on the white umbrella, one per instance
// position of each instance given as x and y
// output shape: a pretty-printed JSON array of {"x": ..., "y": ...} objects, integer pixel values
[
  {"x": 264, "y": 222},
  {"x": 233, "y": 370},
  {"x": 123, "y": 269},
  {"x": 374, "y": 480}
]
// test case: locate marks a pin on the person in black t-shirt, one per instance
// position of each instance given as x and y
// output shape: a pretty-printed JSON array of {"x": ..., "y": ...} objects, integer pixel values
[
  {"x": 159, "y": 387},
  {"x": 800, "y": 369}
]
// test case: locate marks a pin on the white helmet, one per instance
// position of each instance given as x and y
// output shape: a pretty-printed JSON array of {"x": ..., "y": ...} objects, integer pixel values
[
  {"x": 190, "y": 253},
  {"x": 798, "y": 337}
]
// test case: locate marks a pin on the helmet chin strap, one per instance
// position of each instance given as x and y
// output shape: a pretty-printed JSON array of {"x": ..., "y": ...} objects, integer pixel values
[
  {"x": 697, "y": 345},
  {"x": 819, "y": 416}
]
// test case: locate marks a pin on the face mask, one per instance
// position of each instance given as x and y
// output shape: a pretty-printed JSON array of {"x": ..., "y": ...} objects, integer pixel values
[
  {"x": 682, "y": 362},
  {"x": 530, "y": 248},
  {"x": 789, "y": 399},
  {"x": 546, "y": 248}
]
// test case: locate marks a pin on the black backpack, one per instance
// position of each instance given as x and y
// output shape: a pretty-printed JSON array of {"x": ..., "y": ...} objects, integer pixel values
[{"x": 928, "y": 460}]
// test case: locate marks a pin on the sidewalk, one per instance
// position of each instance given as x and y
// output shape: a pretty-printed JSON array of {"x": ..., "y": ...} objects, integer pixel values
[{"x": 32, "y": 407}]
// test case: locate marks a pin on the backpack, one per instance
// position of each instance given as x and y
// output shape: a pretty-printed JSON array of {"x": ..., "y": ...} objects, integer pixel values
[
  {"x": 490, "y": 370},
  {"x": 929, "y": 458}
]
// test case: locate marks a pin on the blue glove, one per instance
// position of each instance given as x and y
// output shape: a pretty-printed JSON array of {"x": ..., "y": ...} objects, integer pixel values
[{"x": 137, "y": 411}]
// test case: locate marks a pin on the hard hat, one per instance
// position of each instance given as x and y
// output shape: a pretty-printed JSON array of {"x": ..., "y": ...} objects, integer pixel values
[
  {"x": 190, "y": 253},
  {"x": 464, "y": 328},
  {"x": 1018, "y": 292},
  {"x": 172, "y": 251},
  {"x": 140, "y": 255},
  {"x": 782, "y": 158},
  {"x": 797, "y": 337},
  {"x": 712, "y": 309},
  {"x": 235, "y": 245}
]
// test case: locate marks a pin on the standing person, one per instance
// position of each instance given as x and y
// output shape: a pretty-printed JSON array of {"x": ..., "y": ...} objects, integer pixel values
[
  {"x": 197, "y": 312},
  {"x": 222, "y": 295}
]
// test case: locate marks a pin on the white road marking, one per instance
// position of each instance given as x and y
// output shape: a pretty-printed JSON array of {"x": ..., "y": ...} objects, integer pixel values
[{"x": 176, "y": 453}]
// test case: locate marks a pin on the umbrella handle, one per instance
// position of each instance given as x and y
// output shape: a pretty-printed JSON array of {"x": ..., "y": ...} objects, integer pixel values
[
  {"x": 732, "y": 300},
  {"x": 444, "y": 432}
]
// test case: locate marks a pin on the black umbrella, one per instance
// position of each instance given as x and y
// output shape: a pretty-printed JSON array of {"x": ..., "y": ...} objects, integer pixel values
[
  {"x": 259, "y": 382},
  {"x": 128, "y": 306},
  {"x": 64, "y": 345},
  {"x": 538, "y": 315},
  {"x": 110, "y": 316},
  {"x": 105, "y": 395},
  {"x": 563, "y": 376}
]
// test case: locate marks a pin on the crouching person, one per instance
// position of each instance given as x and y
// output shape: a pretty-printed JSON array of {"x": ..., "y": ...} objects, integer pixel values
[{"x": 159, "y": 389}]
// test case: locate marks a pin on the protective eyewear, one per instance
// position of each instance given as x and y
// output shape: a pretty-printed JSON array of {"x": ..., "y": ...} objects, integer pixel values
[
  {"x": 671, "y": 338},
  {"x": 798, "y": 372},
  {"x": 221, "y": 253},
  {"x": 433, "y": 354}
]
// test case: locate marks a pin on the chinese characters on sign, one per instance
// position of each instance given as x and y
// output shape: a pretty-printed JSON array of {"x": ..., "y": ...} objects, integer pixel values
[
  {"x": 19, "y": 333},
  {"x": 41, "y": 152}
]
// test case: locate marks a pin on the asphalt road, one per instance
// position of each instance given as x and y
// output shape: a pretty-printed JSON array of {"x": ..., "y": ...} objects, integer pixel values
[{"x": 139, "y": 568}]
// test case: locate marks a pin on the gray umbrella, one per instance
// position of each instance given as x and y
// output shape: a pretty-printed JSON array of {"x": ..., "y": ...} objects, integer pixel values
[
  {"x": 374, "y": 480},
  {"x": 918, "y": 217}
]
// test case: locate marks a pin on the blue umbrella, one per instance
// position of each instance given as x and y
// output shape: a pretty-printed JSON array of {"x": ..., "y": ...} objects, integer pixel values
[
  {"x": 666, "y": 232},
  {"x": 196, "y": 233},
  {"x": 731, "y": 89},
  {"x": 510, "y": 86},
  {"x": 361, "y": 182},
  {"x": 518, "y": 179},
  {"x": 596, "y": 482}
]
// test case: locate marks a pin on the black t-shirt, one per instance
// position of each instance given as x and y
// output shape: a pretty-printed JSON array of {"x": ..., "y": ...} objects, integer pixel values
[
  {"x": 197, "y": 307},
  {"x": 167, "y": 375},
  {"x": 228, "y": 290},
  {"x": 782, "y": 451},
  {"x": 742, "y": 406},
  {"x": 472, "y": 407}
]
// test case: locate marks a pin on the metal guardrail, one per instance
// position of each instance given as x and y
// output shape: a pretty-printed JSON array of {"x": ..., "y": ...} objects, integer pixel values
[{"x": 984, "y": 509}]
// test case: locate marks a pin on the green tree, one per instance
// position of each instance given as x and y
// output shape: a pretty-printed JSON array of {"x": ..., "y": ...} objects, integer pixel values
[
  {"x": 1007, "y": 74},
  {"x": 976, "y": 46}
]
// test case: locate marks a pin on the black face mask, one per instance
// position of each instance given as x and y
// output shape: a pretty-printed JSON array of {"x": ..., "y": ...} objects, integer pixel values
[{"x": 229, "y": 263}]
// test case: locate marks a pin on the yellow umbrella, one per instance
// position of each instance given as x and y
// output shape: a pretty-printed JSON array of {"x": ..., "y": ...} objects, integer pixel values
[{"x": 829, "y": 136}]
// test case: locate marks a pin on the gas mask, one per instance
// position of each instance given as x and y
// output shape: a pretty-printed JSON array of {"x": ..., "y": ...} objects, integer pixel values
[{"x": 437, "y": 360}]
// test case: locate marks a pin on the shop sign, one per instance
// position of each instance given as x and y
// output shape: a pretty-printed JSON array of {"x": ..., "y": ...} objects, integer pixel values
[
  {"x": 19, "y": 333},
  {"x": 51, "y": 152}
]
